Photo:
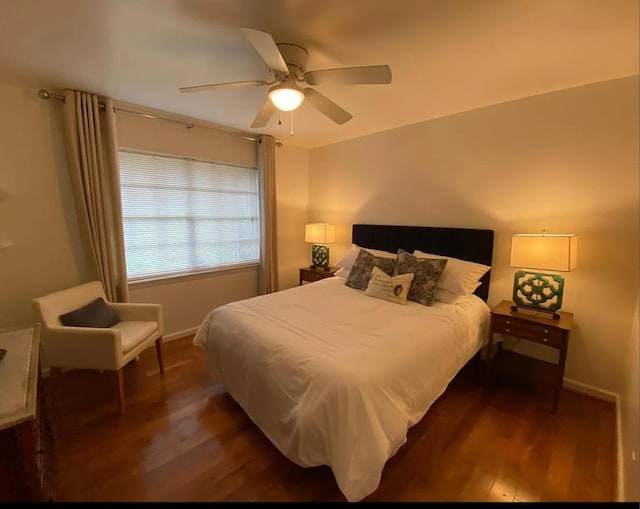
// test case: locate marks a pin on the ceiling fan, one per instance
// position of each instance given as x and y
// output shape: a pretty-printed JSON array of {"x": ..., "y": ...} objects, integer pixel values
[{"x": 287, "y": 65}]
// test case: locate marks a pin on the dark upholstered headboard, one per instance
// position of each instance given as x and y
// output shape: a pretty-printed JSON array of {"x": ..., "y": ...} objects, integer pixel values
[{"x": 464, "y": 243}]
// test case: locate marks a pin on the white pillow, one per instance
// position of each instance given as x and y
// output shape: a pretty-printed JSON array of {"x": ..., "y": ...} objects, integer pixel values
[
  {"x": 382, "y": 254},
  {"x": 347, "y": 261},
  {"x": 442, "y": 295},
  {"x": 391, "y": 288},
  {"x": 460, "y": 276},
  {"x": 342, "y": 272}
]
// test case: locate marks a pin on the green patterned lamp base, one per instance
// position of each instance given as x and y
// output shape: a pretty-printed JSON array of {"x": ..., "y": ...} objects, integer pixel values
[
  {"x": 539, "y": 291},
  {"x": 320, "y": 256}
]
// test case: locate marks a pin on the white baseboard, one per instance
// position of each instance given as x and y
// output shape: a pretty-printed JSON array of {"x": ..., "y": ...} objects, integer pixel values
[
  {"x": 620, "y": 472},
  {"x": 179, "y": 334},
  {"x": 612, "y": 397},
  {"x": 590, "y": 390}
]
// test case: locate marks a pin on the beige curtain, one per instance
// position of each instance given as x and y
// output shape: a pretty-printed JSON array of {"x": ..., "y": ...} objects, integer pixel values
[
  {"x": 268, "y": 280},
  {"x": 92, "y": 152}
]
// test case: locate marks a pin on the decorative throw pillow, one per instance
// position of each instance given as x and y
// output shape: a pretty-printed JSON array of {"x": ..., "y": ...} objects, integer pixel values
[
  {"x": 391, "y": 288},
  {"x": 347, "y": 261},
  {"x": 95, "y": 314},
  {"x": 427, "y": 274},
  {"x": 362, "y": 268}
]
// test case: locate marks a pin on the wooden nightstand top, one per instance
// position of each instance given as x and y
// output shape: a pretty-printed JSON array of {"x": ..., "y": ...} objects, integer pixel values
[
  {"x": 311, "y": 274},
  {"x": 504, "y": 308},
  {"x": 320, "y": 270}
]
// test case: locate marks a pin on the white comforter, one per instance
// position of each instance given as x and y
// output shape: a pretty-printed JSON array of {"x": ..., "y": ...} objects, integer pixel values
[{"x": 334, "y": 377}]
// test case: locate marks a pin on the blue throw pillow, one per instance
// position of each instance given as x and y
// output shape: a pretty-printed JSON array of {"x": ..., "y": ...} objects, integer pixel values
[{"x": 95, "y": 314}]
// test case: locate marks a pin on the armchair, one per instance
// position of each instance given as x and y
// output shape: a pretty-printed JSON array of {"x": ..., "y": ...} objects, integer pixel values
[{"x": 109, "y": 349}]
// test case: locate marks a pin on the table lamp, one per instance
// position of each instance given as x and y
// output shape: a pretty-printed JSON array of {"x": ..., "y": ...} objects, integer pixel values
[
  {"x": 320, "y": 234},
  {"x": 535, "y": 290}
]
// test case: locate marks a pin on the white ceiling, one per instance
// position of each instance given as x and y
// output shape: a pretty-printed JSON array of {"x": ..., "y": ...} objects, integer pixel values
[{"x": 446, "y": 56}]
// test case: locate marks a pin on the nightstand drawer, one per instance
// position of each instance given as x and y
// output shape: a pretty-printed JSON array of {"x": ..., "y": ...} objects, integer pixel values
[
  {"x": 540, "y": 333},
  {"x": 312, "y": 276}
]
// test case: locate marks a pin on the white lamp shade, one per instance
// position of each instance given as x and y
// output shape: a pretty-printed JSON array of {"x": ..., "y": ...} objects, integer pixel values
[
  {"x": 547, "y": 252},
  {"x": 320, "y": 233},
  {"x": 286, "y": 99}
]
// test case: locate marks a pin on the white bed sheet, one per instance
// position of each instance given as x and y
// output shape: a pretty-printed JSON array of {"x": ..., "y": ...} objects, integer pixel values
[{"x": 334, "y": 377}]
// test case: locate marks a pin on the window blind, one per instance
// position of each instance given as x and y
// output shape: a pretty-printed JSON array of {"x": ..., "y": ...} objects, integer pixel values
[{"x": 183, "y": 215}]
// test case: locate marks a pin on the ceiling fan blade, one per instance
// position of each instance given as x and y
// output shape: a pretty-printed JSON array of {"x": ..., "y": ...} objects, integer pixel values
[
  {"x": 230, "y": 84},
  {"x": 326, "y": 106},
  {"x": 366, "y": 75},
  {"x": 266, "y": 47},
  {"x": 264, "y": 114}
]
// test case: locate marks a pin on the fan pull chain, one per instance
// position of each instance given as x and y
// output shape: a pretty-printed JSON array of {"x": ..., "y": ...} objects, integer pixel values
[
  {"x": 291, "y": 122},
  {"x": 279, "y": 118}
]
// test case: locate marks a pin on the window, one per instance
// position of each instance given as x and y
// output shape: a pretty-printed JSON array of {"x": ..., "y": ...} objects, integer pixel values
[{"x": 182, "y": 215}]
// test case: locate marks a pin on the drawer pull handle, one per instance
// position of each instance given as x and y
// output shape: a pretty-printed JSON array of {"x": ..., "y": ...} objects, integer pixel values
[
  {"x": 545, "y": 340},
  {"x": 506, "y": 330},
  {"x": 508, "y": 322},
  {"x": 546, "y": 331}
]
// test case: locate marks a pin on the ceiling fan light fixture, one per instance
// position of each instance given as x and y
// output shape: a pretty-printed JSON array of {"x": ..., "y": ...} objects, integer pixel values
[
  {"x": 287, "y": 64},
  {"x": 286, "y": 97}
]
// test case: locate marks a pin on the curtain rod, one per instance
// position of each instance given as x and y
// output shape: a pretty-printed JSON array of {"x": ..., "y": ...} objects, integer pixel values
[{"x": 45, "y": 94}]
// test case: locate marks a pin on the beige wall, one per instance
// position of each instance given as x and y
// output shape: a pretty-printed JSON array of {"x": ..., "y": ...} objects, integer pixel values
[
  {"x": 292, "y": 183},
  {"x": 205, "y": 292},
  {"x": 565, "y": 161},
  {"x": 37, "y": 212},
  {"x": 161, "y": 136},
  {"x": 186, "y": 300},
  {"x": 630, "y": 415}
]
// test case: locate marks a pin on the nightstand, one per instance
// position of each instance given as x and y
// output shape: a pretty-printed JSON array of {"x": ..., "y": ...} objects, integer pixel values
[
  {"x": 311, "y": 274},
  {"x": 539, "y": 327}
]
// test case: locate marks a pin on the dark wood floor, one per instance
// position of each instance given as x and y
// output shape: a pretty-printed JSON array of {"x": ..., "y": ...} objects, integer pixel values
[{"x": 184, "y": 439}]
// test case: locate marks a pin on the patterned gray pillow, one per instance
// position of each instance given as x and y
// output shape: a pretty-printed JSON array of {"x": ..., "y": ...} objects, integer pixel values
[
  {"x": 363, "y": 266},
  {"x": 427, "y": 274}
]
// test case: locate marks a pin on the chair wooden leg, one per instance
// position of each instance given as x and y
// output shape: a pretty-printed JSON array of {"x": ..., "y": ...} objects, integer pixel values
[
  {"x": 120, "y": 391},
  {"x": 159, "y": 354}
]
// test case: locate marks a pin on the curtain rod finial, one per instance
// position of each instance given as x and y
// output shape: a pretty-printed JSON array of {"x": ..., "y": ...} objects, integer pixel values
[{"x": 44, "y": 94}]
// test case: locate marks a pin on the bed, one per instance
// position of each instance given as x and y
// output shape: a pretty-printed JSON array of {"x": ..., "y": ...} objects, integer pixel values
[{"x": 334, "y": 377}]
